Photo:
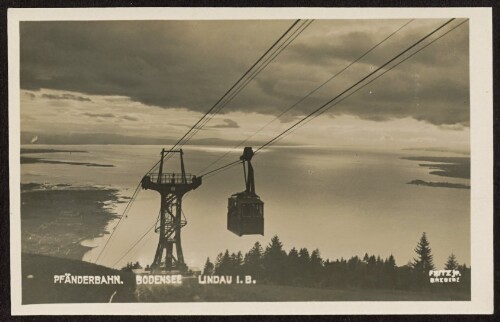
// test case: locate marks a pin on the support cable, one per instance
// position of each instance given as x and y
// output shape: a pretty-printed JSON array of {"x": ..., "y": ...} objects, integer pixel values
[
  {"x": 309, "y": 94},
  {"x": 217, "y": 171},
  {"x": 135, "y": 244},
  {"x": 137, "y": 189},
  {"x": 378, "y": 76},
  {"x": 221, "y": 168},
  {"x": 116, "y": 227},
  {"x": 327, "y": 106},
  {"x": 322, "y": 107},
  {"x": 229, "y": 91},
  {"x": 354, "y": 85},
  {"x": 270, "y": 59}
]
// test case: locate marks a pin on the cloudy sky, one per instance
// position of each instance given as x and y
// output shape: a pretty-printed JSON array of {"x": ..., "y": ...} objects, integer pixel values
[
  {"x": 148, "y": 82},
  {"x": 140, "y": 81}
]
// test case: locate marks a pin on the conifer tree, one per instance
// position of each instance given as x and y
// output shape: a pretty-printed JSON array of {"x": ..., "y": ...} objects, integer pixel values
[
  {"x": 391, "y": 262},
  {"x": 226, "y": 262},
  {"x": 293, "y": 266},
  {"x": 316, "y": 258},
  {"x": 304, "y": 265},
  {"x": 316, "y": 266},
  {"x": 222, "y": 265},
  {"x": 252, "y": 263},
  {"x": 209, "y": 267},
  {"x": 293, "y": 255},
  {"x": 304, "y": 256},
  {"x": 423, "y": 263},
  {"x": 275, "y": 260},
  {"x": 451, "y": 263},
  {"x": 218, "y": 262},
  {"x": 389, "y": 273}
]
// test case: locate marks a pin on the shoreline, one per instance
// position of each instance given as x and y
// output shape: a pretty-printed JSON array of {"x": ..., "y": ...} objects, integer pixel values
[{"x": 56, "y": 219}]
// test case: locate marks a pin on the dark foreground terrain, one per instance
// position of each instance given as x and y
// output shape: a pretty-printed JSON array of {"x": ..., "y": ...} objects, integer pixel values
[
  {"x": 193, "y": 292},
  {"x": 38, "y": 287},
  {"x": 38, "y": 282}
]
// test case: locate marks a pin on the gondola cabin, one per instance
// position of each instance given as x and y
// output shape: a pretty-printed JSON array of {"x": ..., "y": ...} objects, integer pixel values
[
  {"x": 245, "y": 210},
  {"x": 245, "y": 214}
]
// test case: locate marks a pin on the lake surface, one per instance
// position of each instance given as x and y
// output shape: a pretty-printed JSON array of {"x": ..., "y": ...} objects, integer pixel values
[{"x": 344, "y": 201}]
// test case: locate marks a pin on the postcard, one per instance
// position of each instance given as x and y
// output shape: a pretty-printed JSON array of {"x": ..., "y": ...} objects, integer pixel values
[{"x": 251, "y": 161}]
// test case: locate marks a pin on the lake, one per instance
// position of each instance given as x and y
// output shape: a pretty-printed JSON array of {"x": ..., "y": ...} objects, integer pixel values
[{"x": 344, "y": 201}]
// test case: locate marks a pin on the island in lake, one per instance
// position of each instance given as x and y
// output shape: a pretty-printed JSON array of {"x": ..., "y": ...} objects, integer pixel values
[{"x": 454, "y": 167}]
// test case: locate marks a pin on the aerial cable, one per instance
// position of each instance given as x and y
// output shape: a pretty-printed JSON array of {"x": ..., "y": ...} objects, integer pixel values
[
  {"x": 124, "y": 215},
  {"x": 135, "y": 244},
  {"x": 352, "y": 86},
  {"x": 282, "y": 134},
  {"x": 382, "y": 74},
  {"x": 309, "y": 94},
  {"x": 322, "y": 109},
  {"x": 221, "y": 168},
  {"x": 137, "y": 189},
  {"x": 271, "y": 57},
  {"x": 158, "y": 219},
  {"x": 115, "y": 228},
  {"x": 230, "y": 89},
  {"x": 254, "y": 74},
  {"x": 144, "y": 235}
]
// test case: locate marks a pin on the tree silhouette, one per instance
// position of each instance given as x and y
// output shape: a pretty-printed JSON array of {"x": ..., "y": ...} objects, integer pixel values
[
  {"x": 451, "y": 263},
  {"x": 391, "y": 262},
  {"x": 316, "y": 266},
  {"x": 301, "y": 268},
  {"x": 293, "y": 257},
  {"x": 223, "y": 264},
  {"x": 316, "y": 260},
  {"x": 292, "y": 272},
  {"x": 252, "y": 264},
  {"x": 236, "y": 262},
  {"x": 274, "y": 260},
  {"x": 209, "y": 267},
  {"x": 389, "y": 276},
  {"x": 423, "y": 263}
]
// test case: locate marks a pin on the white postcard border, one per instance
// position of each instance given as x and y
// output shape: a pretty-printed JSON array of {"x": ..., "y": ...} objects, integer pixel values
[{"x": 481, "y": 90}]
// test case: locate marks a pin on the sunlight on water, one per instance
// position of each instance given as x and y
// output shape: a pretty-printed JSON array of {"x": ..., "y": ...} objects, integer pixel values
[{"x": 343, "y": 201}]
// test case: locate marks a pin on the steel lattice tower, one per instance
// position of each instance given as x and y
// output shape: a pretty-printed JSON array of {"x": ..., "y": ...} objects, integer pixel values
[{"x": 172, "y": 187}]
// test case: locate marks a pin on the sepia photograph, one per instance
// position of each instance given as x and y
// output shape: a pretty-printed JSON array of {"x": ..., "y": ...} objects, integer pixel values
[{"x": 318, "y": 157}]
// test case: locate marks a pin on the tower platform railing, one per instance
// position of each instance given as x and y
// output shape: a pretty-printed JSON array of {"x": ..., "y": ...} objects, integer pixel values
[{"x": 169, "y": 178}]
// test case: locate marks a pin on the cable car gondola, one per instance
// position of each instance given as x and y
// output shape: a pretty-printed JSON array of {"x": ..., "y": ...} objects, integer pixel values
[{"x": 245, "y": 210}]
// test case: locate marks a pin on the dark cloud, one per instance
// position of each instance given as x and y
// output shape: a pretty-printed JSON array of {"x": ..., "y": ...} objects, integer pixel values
[
  {"x": 436, "y": 102},
  {"x": 190, "y": 64},
  {"x": 99, "y": 114},
  {"x": 347, "y": 47},
  {"x": 66, "y": 97},
  {"x": 228, "y": 124}
]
